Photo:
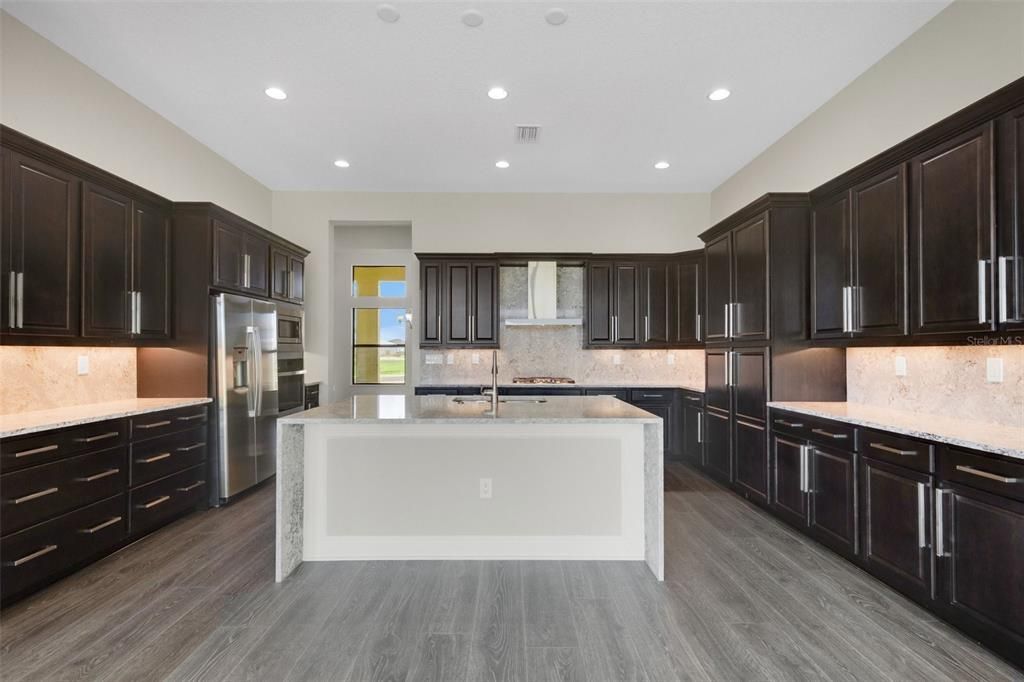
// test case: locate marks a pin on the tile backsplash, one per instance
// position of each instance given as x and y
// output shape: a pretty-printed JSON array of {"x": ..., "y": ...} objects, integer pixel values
[
  {"x": 947, "y": 380},
  {"x": 44, "y": 377},
  {"x": 558, "y": 351}
]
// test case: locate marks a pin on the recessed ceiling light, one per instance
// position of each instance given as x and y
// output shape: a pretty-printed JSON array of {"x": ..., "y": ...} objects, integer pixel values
[
  {"x": 556, "y": 16},
  {"x": 472, "y": 18},
  {"x": 497, "y": 92},
  {"x": 501, "y": 164},
  {"x": 662, "y": 165},
  {"x": 341, "y": 163},
  {"x": 388, "y": 13},
  {"x": 718, "y": 95},
  {"x": 276, "y": 93}
]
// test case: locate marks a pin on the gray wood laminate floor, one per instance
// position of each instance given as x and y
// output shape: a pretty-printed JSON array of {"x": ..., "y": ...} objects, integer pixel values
[{"x": 745, "y": 598}]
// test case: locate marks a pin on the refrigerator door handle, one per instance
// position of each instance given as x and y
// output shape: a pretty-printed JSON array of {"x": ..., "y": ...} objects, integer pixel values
[
  {"x": 250, "y": 362},
  {"x": 258, "y": 355}
]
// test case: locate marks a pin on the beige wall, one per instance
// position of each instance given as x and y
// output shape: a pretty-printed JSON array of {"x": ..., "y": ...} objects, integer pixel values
[
  {"x": 967, "y": 51},
  {"x": 49, "y": 95},
  {"x": 481, "y": 223}
]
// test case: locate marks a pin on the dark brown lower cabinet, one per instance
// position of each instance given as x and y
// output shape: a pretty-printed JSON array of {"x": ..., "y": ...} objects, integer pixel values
[
  {"x": 693, "y": 429},
  {"x": 896, "y": 518},
  {"x": 751, "y": 460},
  {"x": 717, "y": 445},
  {"x": 832, "y": 498},
  {"x": 786, "y": 492}
]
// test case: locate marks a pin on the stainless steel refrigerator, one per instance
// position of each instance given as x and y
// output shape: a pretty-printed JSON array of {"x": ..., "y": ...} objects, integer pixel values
[{"x": 246, "y": 348}]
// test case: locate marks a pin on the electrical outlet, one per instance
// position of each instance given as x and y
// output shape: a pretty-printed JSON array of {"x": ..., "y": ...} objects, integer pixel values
[
  {"x": 617, "y": 359},
  {"x": 899, "y": 364},
  {"x": 434, "y": 359},
  {"x": 83, "y": 365},
  {"x": 450, "y": 358},
  {"x": 670, "y": 359},
  {"x": 486, "y": 488},
  {"x": 476, "y": 358},
  {"x": 994, "y": 370}
]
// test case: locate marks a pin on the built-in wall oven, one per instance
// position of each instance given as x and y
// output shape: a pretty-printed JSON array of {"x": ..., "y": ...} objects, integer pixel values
[{"x": 291, "y": 371}]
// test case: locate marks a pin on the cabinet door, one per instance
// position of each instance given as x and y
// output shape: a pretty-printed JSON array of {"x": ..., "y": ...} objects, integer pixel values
[
  {"x": 718, "y": 445},
  {"x": 657, "y": 303},
  {"x": 106, "y": 262},
  {"x": 832, "y": 498},
  {"x": 258, "y": 251},
  {"x": 151, "y": 270},
  {"x": 879, "y": 216},
  {"x": 750, "y": 280},
  {"x": 296, "y": 279},
  {"x": 896, "y": 523},
  {"x": 457, "y": 303},
  {"x": 750, "y": 383},
  {"x": 751, "y": 449},
  {"x": 830, "y": 265},
  {"x": 627, "y": 304},
  {"x": 716, "y": 379},
  {"x": 279, "y": 274},
  {"x": 484, "y": 312},
  {"x": 1010, "y": 266},
  {"x": 431, "y": 296},
  {"x": 981, "y": 565},
  {"x": 599, "y": 304},
  {"x": 718, "y": 278},
  {"x": 952, "y": 229},
  {"x": 228, "y": 256},
  {"x": 689, "y": 326},
  {"x": 39, "y": 247},
  {"x": 786, "y": 495},
  {"x": 693, "y": 434}
]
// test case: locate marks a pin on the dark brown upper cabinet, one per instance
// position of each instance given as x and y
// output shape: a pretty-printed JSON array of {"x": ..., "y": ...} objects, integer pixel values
[
  {"x": 600, "y": 295},
  {"x": 657, "y": 303},
  {"x": 689, "y": 296},
  {"x": 858, "y": 259},
  {"x": 613, "y": 304},
  {"x": 483, "y": 309},
  {"x": 286, "y": 275},
  {"x": 107, "y": 296},
  {"x": 952, "y": 230},
  {"x": 718, "y": 274},
  {"x": 151, "y": 271},
  {"x": 459, "y": 303},
  {"x": 241, "y": 259},
  {"x": 1009, "y": 297},
  {"x": 431, "y": 297},
  {"x": 39, "y": 247}
]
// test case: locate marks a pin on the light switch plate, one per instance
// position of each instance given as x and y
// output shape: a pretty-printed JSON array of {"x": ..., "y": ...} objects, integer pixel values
[
  {"x": 476, "y": 358},
  {"x": 617, "y": 359},
  {"x": 451, "y": 358},
  {"x": 83, "y": 365},
  {"x": 899, "y": 364},
  {"x": 670, "y": 359},
  {"x": 994, "y": 370}
]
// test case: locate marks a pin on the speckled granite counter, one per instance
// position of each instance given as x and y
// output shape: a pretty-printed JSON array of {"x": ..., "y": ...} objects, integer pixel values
[
  {"x": 695, "y": 389},
  {"x": 994, "y": 438},
  {"x": 43, "y": 420},
  {"x": 534, "y": 450}
]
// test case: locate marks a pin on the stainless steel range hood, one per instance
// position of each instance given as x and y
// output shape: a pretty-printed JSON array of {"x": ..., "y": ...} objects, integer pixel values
[{"x": 542, "y": 298}]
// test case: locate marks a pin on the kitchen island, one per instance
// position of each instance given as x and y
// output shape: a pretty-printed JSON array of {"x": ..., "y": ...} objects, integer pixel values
[{"x": 436, "y": 477}]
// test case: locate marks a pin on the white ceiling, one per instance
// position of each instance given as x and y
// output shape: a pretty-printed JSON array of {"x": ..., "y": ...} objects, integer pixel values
[{"x": 617, "y": 87}]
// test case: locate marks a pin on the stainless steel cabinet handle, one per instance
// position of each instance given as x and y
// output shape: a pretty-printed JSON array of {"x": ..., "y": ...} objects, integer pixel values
[
  {"x": 157, "y": 501},
  {"x": 692, "y": 398},
  {"x": 293, "y": 373},
  {"x": 138, "y": 312},
  {"x": 823, "y": 432},
  {"x": 34, "y": 496},
  {"x": 922, "y": 526},
  {"x": 647, "y": 328},
  {"x": 20, "y": 281},
  {"x": 792, "y": 425},
  {"x": 982, "y": 291},
  {"x": 200, "y": 415},
  {"x": 700, "y": 428},
  {"x": 728, "y": 325},
  {"x": 886, "y": 448},
  {"x": 153, "y": 425},
  {"x": 615, "y": 328},
  {"x": 36, "y": 451},
  {"x": 472, "y": 327},
  {"x": 12, "y": 300},
  {"x": 846, "y": 309},
  {"x": 105, "y": 524},
  {"x": 34, "y": 555},
  {"x": 940, "y": 540},
  {"x": 698, "y": 335},
  {"x": 191, "y": 487},
  {"x": 96, "y": 477},
  {"x": 803, "y": 468},
  {"x": 1001, "y": 279},
  {"x": 194, "y": 446},
  {"x": 653, "y": 395},
  {"x": 438, "y": 327},
  {"x": 245, "y": 270},
  {"x": 986, "y": 474},
  {"x": 102, "y": 436},
  {"x": 154, "y": 458}
]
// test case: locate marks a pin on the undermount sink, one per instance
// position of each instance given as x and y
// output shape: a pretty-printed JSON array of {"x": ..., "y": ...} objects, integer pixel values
[{"x": 483, "y": 399}]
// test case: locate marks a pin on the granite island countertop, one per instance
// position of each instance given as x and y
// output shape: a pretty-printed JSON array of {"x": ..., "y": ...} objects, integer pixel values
[
  {"x": 22, "y": 423},
  {"x": 486, "y": 384},
  {"x": 995, "y": 438},
  {"x": 376, "y": 409}
]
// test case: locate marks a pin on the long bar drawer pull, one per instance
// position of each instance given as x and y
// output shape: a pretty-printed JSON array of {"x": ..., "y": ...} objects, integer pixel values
[
  {"x": 986, "y": 474},
  {"x": 34, "y": 496},
  {"x": 292, "y": 373},
  {"x": 792, "y": 425},
  {"x": 36, "y": 451},
  {"x": 191, "y": 417},
  {"x": 693, "y": 398},
  {"x": 154, "y": 458},
  {"x": 159, "y": 500},
  {"x": 96, "y": 477},
  {"x": 95, "y": 529},
  {"x": 191, "y": 487},
  {"x": 102, "y": 436},
  {"x": 653, "y": 395},
  {"x": 188, "y": 448},
  {"x": 34, "y": 555},
  {"x": 153, "y": 425},
  {"x": 823, "y": 432},
  {"x": 886, "y": 448}
]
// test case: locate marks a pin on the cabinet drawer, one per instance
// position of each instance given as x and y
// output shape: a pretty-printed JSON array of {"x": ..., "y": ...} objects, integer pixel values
[
  {"x": 156, "y": 458},
  {"x": 790, "y": 424},
  {"x": 154, "y": 504},
  {"x": 692, "y": 398},
  {"x": 154, "y": 424},
  {"x": 651, "y": 395},
  {"x": 620, "y": 393},
  {"x": 49, "y": 446},
  {"x": 983, "y": 472},
  {"x": 831, "y": 433},
  {"x": 30, "y": 496},
  {"x": 906, "y": 452},
  {"x": 36, "y": 555}
]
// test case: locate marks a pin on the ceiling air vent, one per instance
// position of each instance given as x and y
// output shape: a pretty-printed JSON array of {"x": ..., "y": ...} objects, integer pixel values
[{"x": 527, "y": 134}]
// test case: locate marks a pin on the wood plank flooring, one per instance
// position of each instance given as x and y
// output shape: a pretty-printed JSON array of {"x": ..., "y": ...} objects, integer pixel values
[{"x": 745, "y": 598}]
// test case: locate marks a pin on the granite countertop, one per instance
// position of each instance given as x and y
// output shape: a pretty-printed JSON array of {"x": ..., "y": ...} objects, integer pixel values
[
  {"x": 43, "y": 420},
  {"x": 372, "y": 409},
  {"x": 584, "y": 386},
  {"x": 994, "y": 438}
]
